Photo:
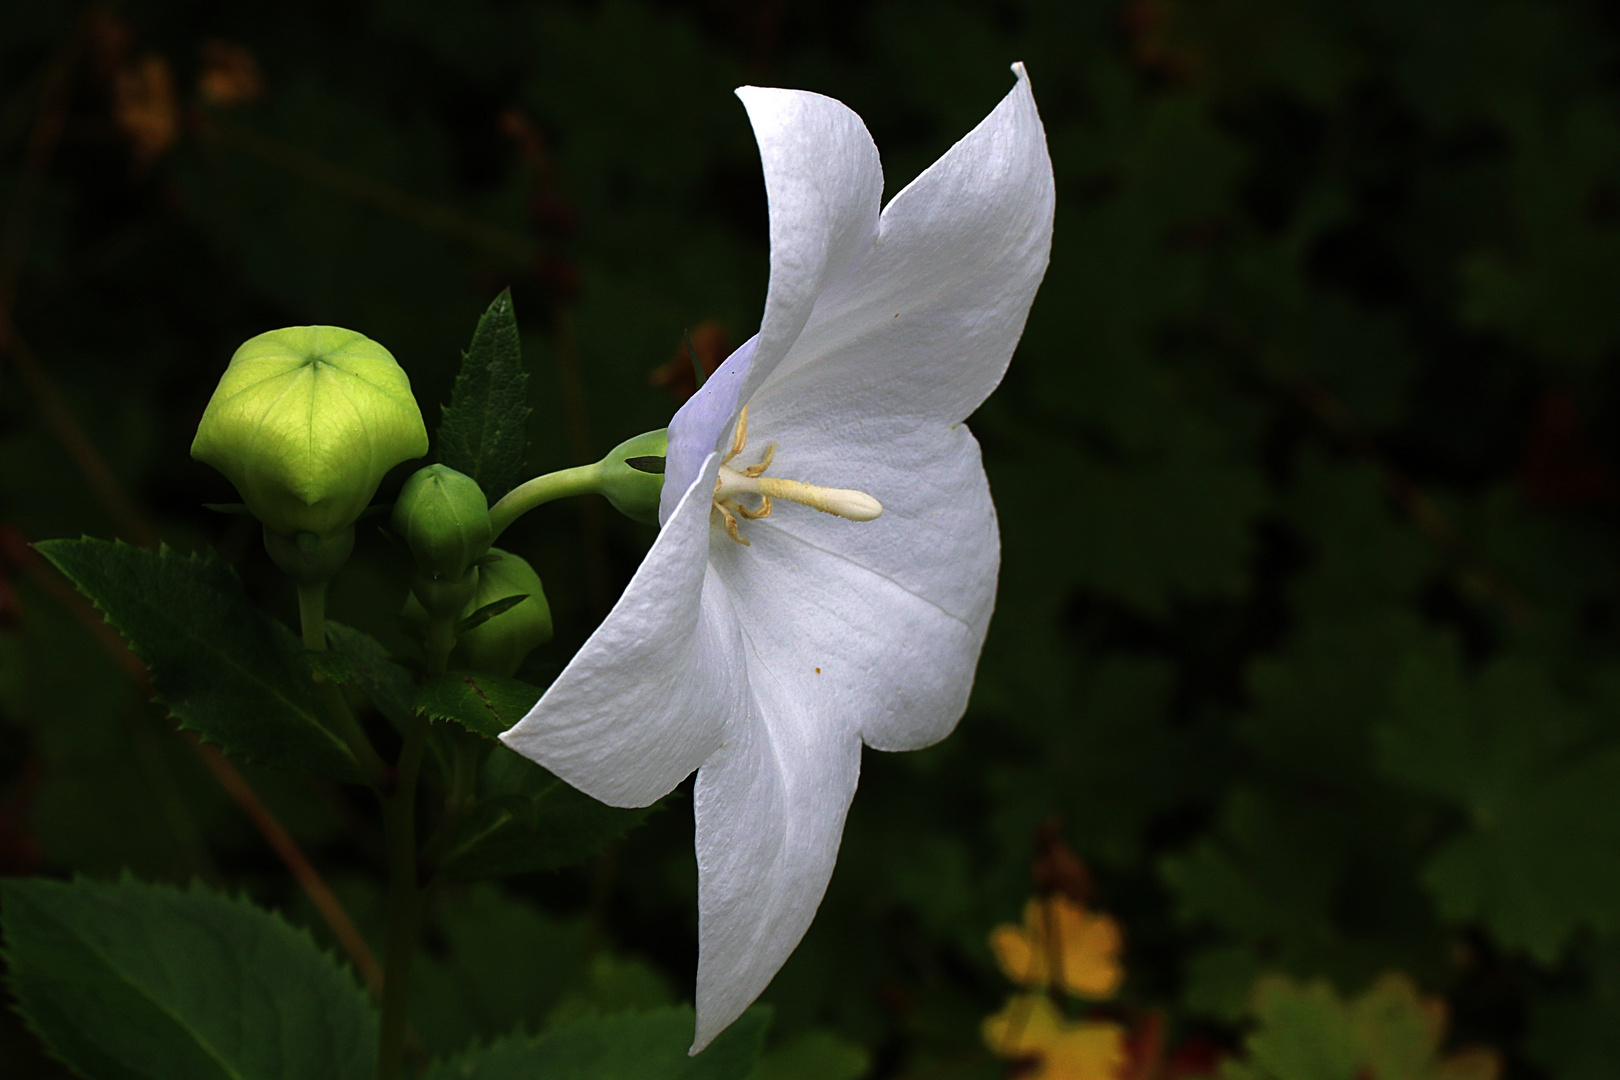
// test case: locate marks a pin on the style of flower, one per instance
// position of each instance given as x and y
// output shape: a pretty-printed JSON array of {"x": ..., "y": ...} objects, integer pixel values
[{"x": 827, "y": 560}]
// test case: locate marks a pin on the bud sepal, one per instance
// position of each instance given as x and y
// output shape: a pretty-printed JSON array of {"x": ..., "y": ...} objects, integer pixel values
[
  {"x": 632, "y": 476},
  {"x": 504, "y": 617}
]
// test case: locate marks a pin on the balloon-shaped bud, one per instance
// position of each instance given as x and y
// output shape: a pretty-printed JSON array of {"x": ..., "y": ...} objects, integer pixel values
[
  {"x": 632, "y": 476},
  {"x": 305, "y": 422},
  {"x": 443, "y": 518},
  {"x": 499, "y": 644}
]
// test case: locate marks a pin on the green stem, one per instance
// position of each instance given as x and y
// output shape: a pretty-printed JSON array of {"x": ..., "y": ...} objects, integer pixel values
[
  {"x": 312, "y": 622},
  {"x": 312, "y": 615},
  {"x": 466, "y": 751},
  {"x": 404, "y": 902},
  {"x": 441, "y": 639},
  {"x": 580, "y": 480}
]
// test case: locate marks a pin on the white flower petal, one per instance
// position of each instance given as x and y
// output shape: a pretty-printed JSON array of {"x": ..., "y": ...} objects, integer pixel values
[
  {"x": 769, "y": 808},
  {"x": 698, "y": 426},
  {"x": 647, "y": 699},
  {"x": 892, "y": 612},
  {"x": 824, "y": 185},
  {"x": 937, "y": 534},
  {"x": 923, "y": 326}
]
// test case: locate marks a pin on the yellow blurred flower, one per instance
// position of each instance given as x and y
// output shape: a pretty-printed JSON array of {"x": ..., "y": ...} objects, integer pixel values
[
  {"x": 1031, "y": 1028},
  {"x": 1061, "y": 944}
]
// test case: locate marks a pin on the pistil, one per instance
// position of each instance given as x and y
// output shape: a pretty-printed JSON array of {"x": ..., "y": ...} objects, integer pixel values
[{"x": 732, "y": 483}]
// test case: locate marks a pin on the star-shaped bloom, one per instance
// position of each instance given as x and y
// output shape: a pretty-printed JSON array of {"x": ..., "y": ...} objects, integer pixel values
[{"x": 826, "y": 565}]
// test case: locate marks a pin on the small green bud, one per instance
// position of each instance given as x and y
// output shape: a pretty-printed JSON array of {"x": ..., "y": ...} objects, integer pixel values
[
  {"x": 443, "y": 517},
  {"x": 499, "y": 645},
  {"x": 632, "y": 476},
  {"x": 305, "y": 422}
]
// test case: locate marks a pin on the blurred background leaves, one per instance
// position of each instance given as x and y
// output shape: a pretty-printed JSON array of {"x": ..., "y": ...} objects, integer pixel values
[{"x": 1307, "y": 628}]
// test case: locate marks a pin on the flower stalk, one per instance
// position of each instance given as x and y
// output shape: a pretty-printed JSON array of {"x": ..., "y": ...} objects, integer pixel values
[
  {"x": 631, "y": 477},
  {"x": 580, "y": 480},
  {"x": 312, "y": 628}
]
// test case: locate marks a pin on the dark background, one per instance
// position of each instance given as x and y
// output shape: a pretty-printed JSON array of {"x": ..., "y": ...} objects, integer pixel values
[{"x": 1307, "y": 632}]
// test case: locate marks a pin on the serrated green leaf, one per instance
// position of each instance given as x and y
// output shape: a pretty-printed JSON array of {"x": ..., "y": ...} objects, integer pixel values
[
  {"x": 484, "y": 704},
  {"x": 1540, "y": 857},
  {"x": 485, "y": 982},
  {"x": 221, "y": 667},
  {"x": 1268, "y": 877},
  {"x": 357, "y": 659},
  {"x": 637, "y": 1046},
  {"x": 1305, "y": 1033},
  {"x": 1308, "y": 1032},
  {"x": 612, "y": 985},
  {"x": 484, "y": 429},
  {"x": 531, "y": 821},
  {"x": 129, "y": 981},
  {"x": 814, "y": 1055}
]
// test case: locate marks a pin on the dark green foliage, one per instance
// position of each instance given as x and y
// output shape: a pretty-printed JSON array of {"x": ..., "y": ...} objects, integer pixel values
[
  {"x": 647, "y": 1046},
  {"x": 357, "y": 659},
  {"x": 506, "y": 967},
  {"x": 1540, "y": 858},
  {"x": 127, "y": 981},
  {"x": 814, "y": 1055},
  {"x": 220, "y": 666},
  {"x": 483, "y": 432},
  {"x": 529, "y": 820},
  {"x": 484, "y": 704},
  {"x": 1576, "y": 1034},
  {"x": 1390, "y": 1032},
  {"x": 1306, "y": 472}
]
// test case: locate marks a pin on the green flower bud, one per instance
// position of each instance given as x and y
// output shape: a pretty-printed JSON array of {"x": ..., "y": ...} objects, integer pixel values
[
  {"x": 305, "y": 422},
  {"x": 443, "y": 517},
  {"x": 499, "y": 645},
  {"x": 632, "y": 476}
]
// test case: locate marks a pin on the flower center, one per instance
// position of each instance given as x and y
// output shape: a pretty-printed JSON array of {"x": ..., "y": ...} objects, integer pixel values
[{"x": 735, "y": 484}]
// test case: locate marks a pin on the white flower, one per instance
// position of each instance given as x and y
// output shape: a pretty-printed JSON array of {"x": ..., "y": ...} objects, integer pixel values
[{"x": 761, "y": 642}]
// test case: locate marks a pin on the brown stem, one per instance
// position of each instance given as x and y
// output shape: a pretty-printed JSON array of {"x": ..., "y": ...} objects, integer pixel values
[
  {"x": 43, "y": 138},
  {"x": 286, "y": 848},
  {"x": 15, "y": 550}
]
